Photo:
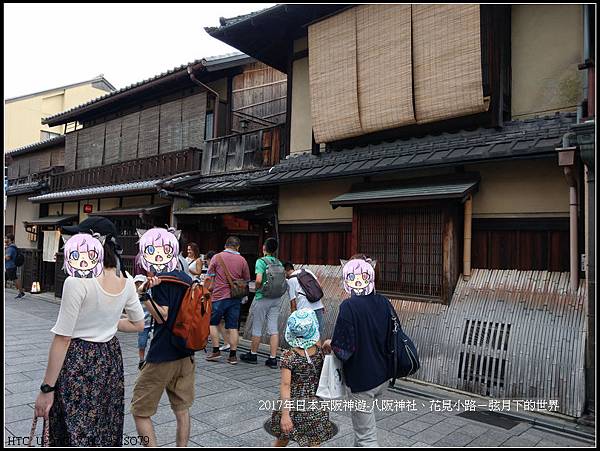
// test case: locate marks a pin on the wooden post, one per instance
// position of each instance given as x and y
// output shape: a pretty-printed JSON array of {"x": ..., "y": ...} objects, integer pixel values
[{"x": 467, "y": 238}]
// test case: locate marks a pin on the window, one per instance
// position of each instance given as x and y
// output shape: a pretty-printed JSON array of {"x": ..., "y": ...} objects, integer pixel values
[
  {"x": 44, "y": 135},
  {"x": 208, "y": 125},
  {"x": 414, "y": 247}
]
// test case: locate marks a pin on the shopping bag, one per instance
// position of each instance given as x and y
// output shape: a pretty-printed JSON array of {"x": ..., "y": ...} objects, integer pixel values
[
  {"x": 45, "y": 433},
  {"x": 331, "y": 383}
]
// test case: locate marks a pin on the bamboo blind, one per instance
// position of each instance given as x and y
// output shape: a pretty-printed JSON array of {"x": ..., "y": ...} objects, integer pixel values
[
  {"x": 383, "y": 49},
  {"x": 376, "y": 67},
  {"x": 447, "y": 61},
  {"x": 333, "y": 77}
]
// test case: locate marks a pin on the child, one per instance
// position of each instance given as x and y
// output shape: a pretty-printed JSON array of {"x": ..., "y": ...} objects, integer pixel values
[
  {"x": 144, "y": 336},
  {"x": 300, "y": 372}
]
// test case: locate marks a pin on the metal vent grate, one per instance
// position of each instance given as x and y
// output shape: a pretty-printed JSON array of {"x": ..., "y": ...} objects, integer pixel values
[
  {"x": 483, "y": 366},
  {"x": 486, "y": 334}
]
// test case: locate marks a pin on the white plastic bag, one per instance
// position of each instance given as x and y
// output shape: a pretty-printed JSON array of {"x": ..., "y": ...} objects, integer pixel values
[{"x": 331, "y": 383}]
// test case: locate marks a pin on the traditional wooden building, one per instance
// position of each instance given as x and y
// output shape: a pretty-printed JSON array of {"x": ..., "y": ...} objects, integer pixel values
[
  {"x": 120, "y": 146},
  {"x": 426, "y": 136}
]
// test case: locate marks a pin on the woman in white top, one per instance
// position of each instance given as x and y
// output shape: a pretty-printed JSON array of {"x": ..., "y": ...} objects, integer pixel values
[
  {"x": 194, "y": 260},
  {"x": 83, "y": 388}
]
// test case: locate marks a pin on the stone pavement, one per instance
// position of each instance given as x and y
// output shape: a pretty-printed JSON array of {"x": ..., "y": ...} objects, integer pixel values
[{"x": 227, "y": 410}]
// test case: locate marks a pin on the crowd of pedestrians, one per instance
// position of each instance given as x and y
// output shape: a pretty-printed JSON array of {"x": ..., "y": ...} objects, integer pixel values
[{"x": 84, "y": 377}]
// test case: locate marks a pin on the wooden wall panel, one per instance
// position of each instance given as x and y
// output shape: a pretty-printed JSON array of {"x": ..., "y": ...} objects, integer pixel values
[
  {"x": 521, "y": 248},
  {"x": 315, "y": 248}
]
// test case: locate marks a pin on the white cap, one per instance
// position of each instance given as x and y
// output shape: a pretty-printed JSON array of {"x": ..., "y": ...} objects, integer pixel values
[{"x": 140, "y": 278}]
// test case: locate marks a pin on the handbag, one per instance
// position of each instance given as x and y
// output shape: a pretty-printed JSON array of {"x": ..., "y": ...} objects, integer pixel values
[
  {"x": 402, "y": 353},
  {"x": 239, "y": 287},
  {"x": 331, "y": 382},
  {"x": 45, "y": 433}
]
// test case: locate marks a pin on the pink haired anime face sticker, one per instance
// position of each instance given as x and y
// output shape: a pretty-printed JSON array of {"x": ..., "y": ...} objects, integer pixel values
[
  {"x": 84, "y": 255},
  {"x": 359, "y": 277},
  {"x": 158, "y": 250}
]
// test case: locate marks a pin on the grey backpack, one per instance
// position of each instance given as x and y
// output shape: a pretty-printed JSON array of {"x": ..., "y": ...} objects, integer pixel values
[{"x": 275, "y": 282}]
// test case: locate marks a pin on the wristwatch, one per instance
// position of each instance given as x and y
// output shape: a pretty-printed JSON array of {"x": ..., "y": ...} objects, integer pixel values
[{"x": 45, "y": 388}]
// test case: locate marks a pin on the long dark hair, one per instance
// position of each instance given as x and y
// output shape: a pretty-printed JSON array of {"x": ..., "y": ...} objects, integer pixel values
[{"x": 195, "y": 249}]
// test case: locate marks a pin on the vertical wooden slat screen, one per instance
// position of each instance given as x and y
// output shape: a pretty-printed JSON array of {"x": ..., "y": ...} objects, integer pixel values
[
  {"x": 333, "y": 77},
  {"x": 148, "y": 140},
  {"x": 384, "y": 66},
  {"x": 45, "y": 158},
  {"x": 112, "y": 143},
  {"x": 193, "y": 112},
  {"x": 170, "y": 127},
  {"x": 90, "y": 146},
  {"x": 446, "y": 61},
  {"x": 407, "y": 243},
  {"x": 130, "y": 131}
]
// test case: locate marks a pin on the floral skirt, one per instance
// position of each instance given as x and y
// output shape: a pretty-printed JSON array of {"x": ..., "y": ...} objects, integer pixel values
[
  {"x": 89, "y": 406},
  {"x": 311, "y": 427}
]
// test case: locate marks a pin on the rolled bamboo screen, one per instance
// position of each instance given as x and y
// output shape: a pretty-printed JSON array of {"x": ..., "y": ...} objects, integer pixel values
[
  {"x": 376, "y": 67},
  {"x": 333, "y": 78},
  {"x": 446, "y": 61},
  {"x": 384, "y": 66}
]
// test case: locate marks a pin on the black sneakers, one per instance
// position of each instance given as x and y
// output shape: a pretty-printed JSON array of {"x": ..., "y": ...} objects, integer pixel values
[
  {"x": 249, "y": 358},
  {"x": 271, "y": 363}
]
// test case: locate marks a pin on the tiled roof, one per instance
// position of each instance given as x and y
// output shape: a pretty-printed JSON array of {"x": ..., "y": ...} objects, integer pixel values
[
  {"x": 57, "y": 140},
  {"x": 204, "y": 184},
  {"x": 24, "y": 188},
  {"x": 516, "y": 139},
  {"x": 97, "y": 190},
  {"x": 226, "y": 22},
  {"x": 206, "y": 62}
]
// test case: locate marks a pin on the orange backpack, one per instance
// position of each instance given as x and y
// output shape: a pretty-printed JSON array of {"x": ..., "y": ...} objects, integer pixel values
[{"x": 191, "y": 328}]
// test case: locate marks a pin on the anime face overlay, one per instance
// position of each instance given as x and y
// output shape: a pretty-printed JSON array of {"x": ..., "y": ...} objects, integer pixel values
[
  {"x": 84, "y": 255},
  {"x": 358, "y": 282},
  {"x": 358, "y": 277},
  {"x": 158, "y": 250},
  {"x": 158, "y": 256}
]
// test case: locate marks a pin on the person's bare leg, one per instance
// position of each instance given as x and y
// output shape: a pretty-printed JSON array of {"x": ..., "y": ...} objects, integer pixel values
[
  {"x": 274, "y": 341},
  {"x": 19, "y": 285},
  {"x": 142, "y": 353},
  {"x": 145, "y": 429},
  {"x": 255, "y": 344},
  {"x": 183, "y": 427},
  {"x": 224, "y": 333},
  {"x": 234, "y": 338},
  {"x": 281, "y": 443},
  {"x": 214, "y": 336}
]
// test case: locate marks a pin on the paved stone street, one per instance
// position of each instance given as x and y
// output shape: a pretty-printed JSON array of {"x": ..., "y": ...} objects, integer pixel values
[{"x": 227, "y": 407}]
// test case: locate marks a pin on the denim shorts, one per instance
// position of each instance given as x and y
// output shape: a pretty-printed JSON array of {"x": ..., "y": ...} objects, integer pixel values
[
  {"x": 228, "y": 308},
  {"x": 143, "y": 338}
]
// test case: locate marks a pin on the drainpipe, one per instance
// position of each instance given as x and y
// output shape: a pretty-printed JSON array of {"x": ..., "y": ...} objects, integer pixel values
[
  {"x": 216, "y": 94},
  {"x": 566, "y": 160},
  {"x": 467, "y": 238}
]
